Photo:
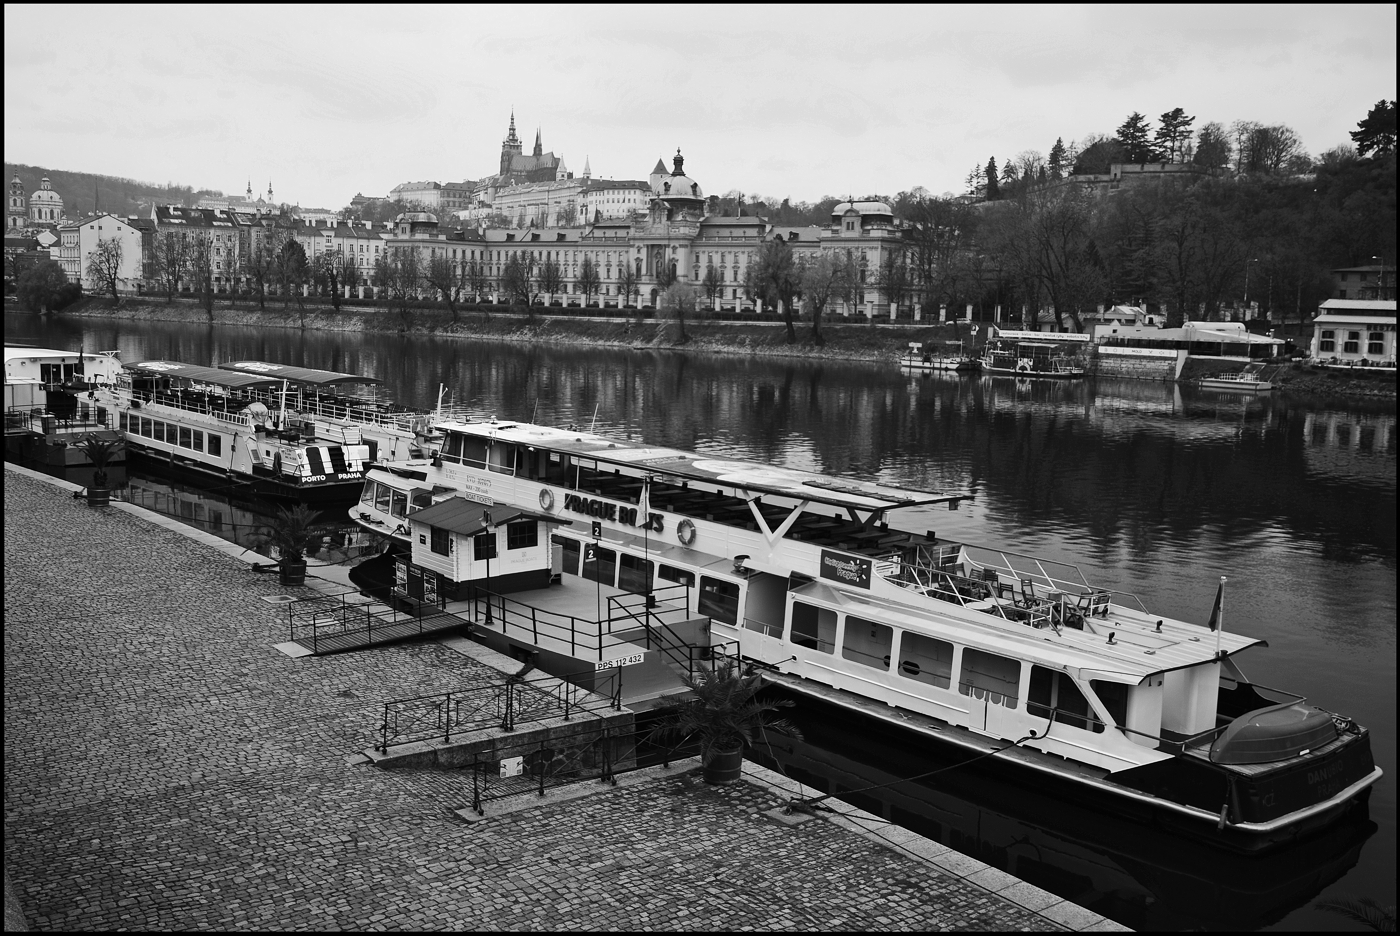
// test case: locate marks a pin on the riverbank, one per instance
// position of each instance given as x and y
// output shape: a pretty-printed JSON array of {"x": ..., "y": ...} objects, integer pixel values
[{"x": 843, "y": 339}]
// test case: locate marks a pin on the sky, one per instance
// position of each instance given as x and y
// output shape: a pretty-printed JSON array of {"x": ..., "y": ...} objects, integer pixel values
[{"x": 784, "y": 101}]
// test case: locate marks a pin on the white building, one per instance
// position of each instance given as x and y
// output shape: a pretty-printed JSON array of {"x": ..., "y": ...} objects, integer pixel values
[
  {"x": 1355, "y": 331},
  {"x": 105, "y": 227}
]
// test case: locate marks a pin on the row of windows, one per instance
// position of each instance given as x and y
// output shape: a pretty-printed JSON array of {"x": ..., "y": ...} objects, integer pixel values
[
  {"x": 172, "y": 434},
  {"x": 522, "y": 534},
  {"x": 1375, "y": 342}
]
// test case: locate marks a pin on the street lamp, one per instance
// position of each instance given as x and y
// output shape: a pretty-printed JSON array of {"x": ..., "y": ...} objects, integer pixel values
[{"x": 1246, "y": 283}]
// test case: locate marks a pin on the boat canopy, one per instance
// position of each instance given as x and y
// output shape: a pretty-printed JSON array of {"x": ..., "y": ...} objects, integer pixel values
[
  {"x": 468, "y": 517},
  {"x": 752, "y": 478},
  {"x": 309, "y": 376},
  {"x": 206, "y": 375}
]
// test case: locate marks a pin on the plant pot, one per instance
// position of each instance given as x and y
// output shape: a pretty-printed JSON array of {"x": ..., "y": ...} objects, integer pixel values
[
  {"x": 99, "y": 496},
  {"x": 724, "y": 766},
  {"x": 292, "y": 573}
]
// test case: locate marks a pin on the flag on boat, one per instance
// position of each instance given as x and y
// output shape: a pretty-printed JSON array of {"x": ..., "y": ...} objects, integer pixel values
[{"x": 1218, "y": 607}]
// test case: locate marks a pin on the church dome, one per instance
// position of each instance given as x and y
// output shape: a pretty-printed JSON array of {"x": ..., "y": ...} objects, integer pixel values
[
  {"x": 678, "y": 185},
  {"x": 46, "y": 195},
  {"x": 861, "y": 207}
]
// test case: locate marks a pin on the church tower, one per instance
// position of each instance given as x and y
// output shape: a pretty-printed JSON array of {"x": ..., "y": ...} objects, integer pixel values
[
  {"x": 539, "y": 146},
  {"x": 510, "y": 147},
  {"x": 18, "y": 209}
]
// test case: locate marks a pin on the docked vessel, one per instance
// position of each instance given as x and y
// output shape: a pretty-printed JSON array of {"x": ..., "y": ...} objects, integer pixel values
[
  {"x": 1032, "y": 354},
  {"x": 940, "y": 360},
  {"x": 216, "y": 423},
  {"x": 1248, "y": 380},
  {"x": 816, "y": 579},
  {"x": 51, "y": 405}
]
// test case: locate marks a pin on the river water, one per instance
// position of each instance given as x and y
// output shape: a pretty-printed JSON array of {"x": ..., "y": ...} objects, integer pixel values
[{"x": 1148, "y": 487}]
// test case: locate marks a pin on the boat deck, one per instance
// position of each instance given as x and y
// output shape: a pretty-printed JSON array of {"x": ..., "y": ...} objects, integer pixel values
[{"x": 321, "y": 626}]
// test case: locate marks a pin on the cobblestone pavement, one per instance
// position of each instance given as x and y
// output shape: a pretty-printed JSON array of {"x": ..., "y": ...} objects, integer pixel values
[{"x": 165, "y": 768}]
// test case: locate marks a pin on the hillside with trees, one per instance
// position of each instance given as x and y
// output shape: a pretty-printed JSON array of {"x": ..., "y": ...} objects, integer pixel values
[{"x": 82, "y": 191}]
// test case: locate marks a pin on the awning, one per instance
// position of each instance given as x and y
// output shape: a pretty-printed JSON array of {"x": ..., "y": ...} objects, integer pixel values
[
  {"x": 301, "y": 375},
  {"x": 204, "y": 375}
]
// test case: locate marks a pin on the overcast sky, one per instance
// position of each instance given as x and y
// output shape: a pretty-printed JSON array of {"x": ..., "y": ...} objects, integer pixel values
[{"x": 788, "y": 101}]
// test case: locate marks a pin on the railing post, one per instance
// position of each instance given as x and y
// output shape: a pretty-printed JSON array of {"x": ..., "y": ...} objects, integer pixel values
[
  {"x": 534, "y": 625},
  {"x": 541, "y": 765},
  {"x": 384, "y": 731},
  {"x": 447, "y": 723}
]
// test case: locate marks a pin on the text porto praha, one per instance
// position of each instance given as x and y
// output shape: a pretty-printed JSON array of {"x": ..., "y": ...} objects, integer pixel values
[{"x": 602, "y": 510}]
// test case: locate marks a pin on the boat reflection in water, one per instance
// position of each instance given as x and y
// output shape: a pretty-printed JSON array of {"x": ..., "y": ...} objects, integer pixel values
[{"x": 1145, "y": 878}]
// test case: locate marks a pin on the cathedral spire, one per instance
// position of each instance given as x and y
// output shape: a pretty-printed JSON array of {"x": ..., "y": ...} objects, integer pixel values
[{"x": 539, "y": 146}]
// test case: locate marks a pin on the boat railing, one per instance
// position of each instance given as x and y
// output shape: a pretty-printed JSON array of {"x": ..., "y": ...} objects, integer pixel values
[
  {"x": 1049, "y": 574},
  {"x": 582, "y": 635},
  {"x": 204, "y": 406},
  {"x": 42, "y": 420}
]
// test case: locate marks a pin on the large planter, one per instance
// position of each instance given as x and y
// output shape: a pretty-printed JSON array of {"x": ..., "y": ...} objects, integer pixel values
[
  {"x": 724, "y": 766},
  {"x": 292, "y": 573},
  {"x": 99, "y": 496}
]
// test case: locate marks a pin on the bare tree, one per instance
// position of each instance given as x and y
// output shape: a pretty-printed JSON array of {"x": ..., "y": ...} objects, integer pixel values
[
  {"x": 892, "y": 279},
  {"x": 713, "y": 283},
  {"x": 201, "y": 254},
  {"x": 549, "y": 278},
  {"x": 628, "y": 282},
  {"x": 1046, "y": 238},
  {"x": 678, "y": 300},
  {"x": 328, "y": 269},
  {"x": 826, "y": 277},
  {"x": 443, "y": 275},
  {"x": 775, "y": 275},
  {"x": 257, "y": 263},
  {"x": 588, "y": 279},
  {"x": 517, "y": 278},
  {"x": 104, "y": 266},
  {"x": 170, "y": 261},
  {"x": 291, "y": 268}
]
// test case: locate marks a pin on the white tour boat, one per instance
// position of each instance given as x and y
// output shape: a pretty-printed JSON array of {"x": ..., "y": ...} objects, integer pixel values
[
  {"x": 1250, "y": 380},
  {"x": 811, "y": 577},
  {"x": 51, "y": 404},
  {"x": 919, "y": 360},
  {"x": 1032, "y": 354}
]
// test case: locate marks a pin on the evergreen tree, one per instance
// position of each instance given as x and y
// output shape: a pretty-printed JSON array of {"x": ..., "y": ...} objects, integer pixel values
[
  {"x": 1134, "y": 137},
  {"x": 1057, "y": 159},
  {"x": 1173, "y": 134},
  {"x": 1213, "y": 149},
  {"x": 993, "y": 189},
  {"x": 1376, "y": 134}
]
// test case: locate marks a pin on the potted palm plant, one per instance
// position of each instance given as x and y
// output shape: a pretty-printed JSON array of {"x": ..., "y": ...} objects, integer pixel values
[
  {"x": 291, "y": 532},
  {"x": 725, "y": 717},
  {"x": 99, "y": 450}
]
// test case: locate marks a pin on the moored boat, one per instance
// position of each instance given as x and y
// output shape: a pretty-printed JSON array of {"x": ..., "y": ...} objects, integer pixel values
[
  {"x": 815, "y": 579},
  {"x": 1032, "y": 354},
  {"x": 948, "y": 358},
  {"x": 51, "y": 405},
  {"x": 1250, "y": 380}
]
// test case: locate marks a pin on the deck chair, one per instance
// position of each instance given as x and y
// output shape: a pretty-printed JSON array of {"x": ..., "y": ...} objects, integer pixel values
[
  {"x": 1093, "y": 603},
  {"x": 1029, "y": 599},
  {"x": 996, "y": 585}
]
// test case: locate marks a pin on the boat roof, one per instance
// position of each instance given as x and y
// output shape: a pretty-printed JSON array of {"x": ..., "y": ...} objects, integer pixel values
[
  {"x": 755, "y": 478},
  {"x": 206, "y": 375},
  {"x": 15, "y": 352},
  {"x": 461, "y": 515},
  {"x": 303, "y": 375}
]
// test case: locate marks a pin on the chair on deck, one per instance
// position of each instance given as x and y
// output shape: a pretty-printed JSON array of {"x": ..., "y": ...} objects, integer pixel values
[
  {"x": 1093, "y": 603},
  {"x": 1029, "y": 599},
  {"x": 996, "y": 585}
]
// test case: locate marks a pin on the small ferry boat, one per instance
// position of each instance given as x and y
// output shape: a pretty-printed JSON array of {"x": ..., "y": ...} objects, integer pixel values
[
  {"x": 818, "y": 581},
  {"x": 214, "y": 423},
  {"x": 51, "y": 405},
  {"x": 941, "y": 360},
  {"x": 1032, "y": 354},
  {"x": 1249, "y": 380}
]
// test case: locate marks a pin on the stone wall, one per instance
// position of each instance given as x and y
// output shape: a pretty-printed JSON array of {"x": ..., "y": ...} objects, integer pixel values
[{"x": 1108, "y": 362}]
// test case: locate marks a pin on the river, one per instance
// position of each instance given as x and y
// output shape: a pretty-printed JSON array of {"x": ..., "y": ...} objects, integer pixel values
[{"x": 1150, "y": 488}]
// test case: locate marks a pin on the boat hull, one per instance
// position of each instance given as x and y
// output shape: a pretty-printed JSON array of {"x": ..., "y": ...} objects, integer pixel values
[
  {"x": 1242, "y": 386},
  {"x": 1071, "y": 374},
  {"x": 330, "y": 493}
]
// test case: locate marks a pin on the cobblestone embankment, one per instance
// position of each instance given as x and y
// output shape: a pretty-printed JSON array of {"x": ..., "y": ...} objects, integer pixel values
[{"x": 166, "y": 768}]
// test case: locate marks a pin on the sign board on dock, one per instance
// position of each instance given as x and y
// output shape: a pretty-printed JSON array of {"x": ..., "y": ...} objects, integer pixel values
[{"x": 632, "y": 660}]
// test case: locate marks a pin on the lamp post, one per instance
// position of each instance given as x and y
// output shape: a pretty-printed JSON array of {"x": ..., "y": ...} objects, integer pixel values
[
  {"x": 490, "y": 548},
  {"x": 1246, "y": 283}
]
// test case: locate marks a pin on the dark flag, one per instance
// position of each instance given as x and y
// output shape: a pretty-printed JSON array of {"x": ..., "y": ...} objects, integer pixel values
[{"x": 1219, "y": 606}]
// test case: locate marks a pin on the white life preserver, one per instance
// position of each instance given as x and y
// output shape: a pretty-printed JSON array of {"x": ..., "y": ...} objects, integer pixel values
[
  {"x": 685, "y": 532},
  {"x": 546, "y": 499}
]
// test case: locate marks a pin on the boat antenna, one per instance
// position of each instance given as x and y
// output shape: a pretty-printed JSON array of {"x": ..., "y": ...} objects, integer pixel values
[
  {"x": 442, "y": 388},
  {"x": 534, "y": 411},
  {"x": 595, "y": 417}
]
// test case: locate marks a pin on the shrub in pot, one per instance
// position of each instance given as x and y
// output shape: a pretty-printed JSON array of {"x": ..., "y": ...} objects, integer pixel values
[
  {"x": 99, "y": 450},
  {"x": 291, "y": 533}
]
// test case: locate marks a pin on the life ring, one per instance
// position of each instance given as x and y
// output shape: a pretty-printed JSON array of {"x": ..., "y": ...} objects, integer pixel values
[
  {"x": 1023, "y": 366},
  {"x": 685, "y": 532},
  {"x": 546, "y": 499}
]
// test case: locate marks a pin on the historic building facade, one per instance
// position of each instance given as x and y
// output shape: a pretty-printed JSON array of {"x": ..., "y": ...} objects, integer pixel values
[{"x": 45, "y": 206}]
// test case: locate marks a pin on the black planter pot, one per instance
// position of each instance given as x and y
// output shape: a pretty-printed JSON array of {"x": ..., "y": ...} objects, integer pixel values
[
  {"x": 724, "y": 766},
  {"x": 99, "y": 496},
  {"x": 292, "y": 573}
]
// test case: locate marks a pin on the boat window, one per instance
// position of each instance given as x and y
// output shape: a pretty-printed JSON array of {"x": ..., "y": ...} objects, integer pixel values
[
  {"x": 484, "y": 546},
  {"x": 421, "y": 499},
  {"x": 599, "y": 564},
  {"x": 634, "y": 574},
  {"x": 926, "y": 659},
  {"x": 1114, "y": 697},
  {"x": 367, "y": 494},
  {"x": 473, "y": 451},
  {"x": 522, "y": 534},
  {"x": 216, "y": 444},
  {"x": 1055, "y": 693},
  {"x": 501, "y": 458},
  {"x": 438, "y": 539},
  {"x": 679, "y": 576},
  {"x": 158, "y": 430},
  {"x": 381, "y": 497},
  {"x": 867, "y": 642},
  {"x": 813, "y": 627},
  {"x": 556, "y": 470},
  {"x": 121, "y": 421},
  {"x": 184, "y": 437},
  {"x": 452, "y": 447},
  {"x": 719, "y": 599},
  {"x": 571, "y": 553},
  {"x": 398, "y": 504},
  {"x": 987, "y": 675},
  {"x": 198, "y": 445},
  {"x": 146, "y": 427}
]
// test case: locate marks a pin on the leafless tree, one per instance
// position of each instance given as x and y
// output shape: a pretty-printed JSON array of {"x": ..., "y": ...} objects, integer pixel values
[
  {"x": 588, "y": 279},
  {"x": 104, "y": 266},
  {"x": 826, "y": 277},
  {"x": 677, "y": 301},
  {"x": 170, "y": 260},
  {"x": 201, "y": 254}
]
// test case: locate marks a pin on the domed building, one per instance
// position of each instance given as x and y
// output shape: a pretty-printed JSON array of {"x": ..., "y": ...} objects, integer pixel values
[{"x": 45, "y": 206}]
